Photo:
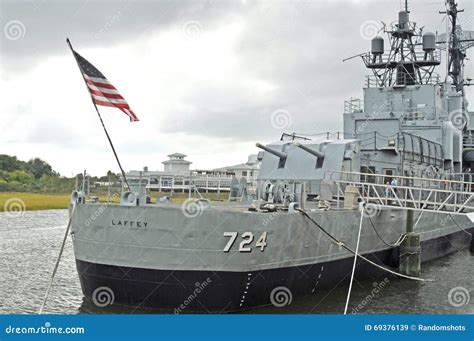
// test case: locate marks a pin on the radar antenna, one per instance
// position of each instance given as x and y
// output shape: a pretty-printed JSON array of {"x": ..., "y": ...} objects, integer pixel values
[
  {"x": 456, "y": 42},
  {"x": 405, "y": 63}
]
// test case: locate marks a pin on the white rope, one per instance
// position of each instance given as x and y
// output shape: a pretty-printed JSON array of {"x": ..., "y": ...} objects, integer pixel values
[
  {"x": 355, "y": 259},
  {"x": 419, "y": 217},
  {"x": 57, "y": 262}
]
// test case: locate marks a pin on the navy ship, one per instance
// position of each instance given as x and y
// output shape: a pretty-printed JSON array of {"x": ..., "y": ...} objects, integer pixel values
[{"x": 394, "y": 189}]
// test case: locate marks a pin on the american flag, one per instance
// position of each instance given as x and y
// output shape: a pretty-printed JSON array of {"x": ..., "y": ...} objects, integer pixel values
[{"x": 102, "y": 91}]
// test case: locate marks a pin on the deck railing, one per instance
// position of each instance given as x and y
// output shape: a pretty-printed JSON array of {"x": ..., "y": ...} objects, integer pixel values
[{"x": 422, "y": 194}]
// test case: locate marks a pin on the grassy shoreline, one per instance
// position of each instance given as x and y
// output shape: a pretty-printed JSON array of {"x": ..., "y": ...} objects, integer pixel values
[
  {"x": 26, "y": 201},
  {"x": 32, "y": 201}
]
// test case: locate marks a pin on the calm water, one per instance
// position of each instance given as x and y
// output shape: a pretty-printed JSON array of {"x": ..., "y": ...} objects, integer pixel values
[{"x": 29, "y": 246}]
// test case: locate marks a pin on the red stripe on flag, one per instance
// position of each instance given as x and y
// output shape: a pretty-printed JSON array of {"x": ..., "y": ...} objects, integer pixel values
[
  {"x": 108, "y": 104},
  {"x": 105, "y": 94},
  {"x": 131, "y": 114},
  {"x": 101, "y": 85}
]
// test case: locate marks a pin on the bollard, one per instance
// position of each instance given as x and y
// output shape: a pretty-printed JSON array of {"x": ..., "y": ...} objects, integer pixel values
[{"x": 410, "y": 250}]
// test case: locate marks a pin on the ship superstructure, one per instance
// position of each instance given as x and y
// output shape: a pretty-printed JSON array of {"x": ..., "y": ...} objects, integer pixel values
[{"x": 418, "y": 120}]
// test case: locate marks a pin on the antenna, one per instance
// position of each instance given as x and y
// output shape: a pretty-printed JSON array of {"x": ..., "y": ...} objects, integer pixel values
[
  {"x": 457, "y": 42},
  {"x": 404, "y": 64}
]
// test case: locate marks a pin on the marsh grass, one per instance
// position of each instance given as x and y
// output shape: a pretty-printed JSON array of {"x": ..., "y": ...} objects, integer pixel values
[
  {"x": 42, "y": 201},
  {"x": 34, "y": 201}
]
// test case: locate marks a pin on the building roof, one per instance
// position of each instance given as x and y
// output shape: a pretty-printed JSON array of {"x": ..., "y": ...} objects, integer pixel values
[
  {"x": 136, "y": 174},
  {"x": 176, "y": 162},
  {"x": 177, "y": 155},
  {"x": 242, "y": 166}
]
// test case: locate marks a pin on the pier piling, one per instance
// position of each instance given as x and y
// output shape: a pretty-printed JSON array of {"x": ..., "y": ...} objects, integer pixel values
[{"x": 410, "y": 250}]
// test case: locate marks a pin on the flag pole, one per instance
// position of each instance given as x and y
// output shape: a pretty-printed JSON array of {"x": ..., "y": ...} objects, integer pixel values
[{"x": 100, "y": 118}]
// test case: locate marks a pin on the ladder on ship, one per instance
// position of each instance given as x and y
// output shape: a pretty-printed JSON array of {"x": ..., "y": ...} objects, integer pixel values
[{"x": 411, "y": 193}]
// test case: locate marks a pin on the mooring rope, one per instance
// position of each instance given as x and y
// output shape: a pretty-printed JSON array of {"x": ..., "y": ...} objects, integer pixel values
[
  {"x": 397, "y": 243},
  {"x": 355, "y": 259},
  {"x": 459, "y": 226},
  {"x": 336, "y": 241},
  {"x": 57, "y": 262}
]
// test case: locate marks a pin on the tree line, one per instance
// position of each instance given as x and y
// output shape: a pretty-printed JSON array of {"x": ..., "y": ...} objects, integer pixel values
[{"x": 36, "y": 175}]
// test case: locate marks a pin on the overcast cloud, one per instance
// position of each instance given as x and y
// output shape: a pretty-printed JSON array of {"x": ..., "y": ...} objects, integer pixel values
[{"x": 206, "y": 78}]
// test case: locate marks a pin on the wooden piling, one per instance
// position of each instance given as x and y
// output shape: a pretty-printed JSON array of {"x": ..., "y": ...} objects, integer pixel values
[{"x": 410, "y": 250}]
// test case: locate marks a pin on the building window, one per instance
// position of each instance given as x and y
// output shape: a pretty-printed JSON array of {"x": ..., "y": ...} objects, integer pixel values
[
  {"x": 244, "y": 173},
  {"x": 166, "y": 181}
]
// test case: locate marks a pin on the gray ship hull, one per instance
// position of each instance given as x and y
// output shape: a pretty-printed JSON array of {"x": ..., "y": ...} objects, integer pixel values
[{"x": 155, "y": 256}]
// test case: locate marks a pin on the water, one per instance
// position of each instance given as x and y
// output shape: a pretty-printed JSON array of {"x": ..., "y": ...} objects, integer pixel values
[{"x": 29, "y": 245}]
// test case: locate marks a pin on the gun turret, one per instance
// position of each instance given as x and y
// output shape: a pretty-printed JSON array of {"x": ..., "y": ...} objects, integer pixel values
[
  {"x": 275, "y": 152},
  {"x": 316, "y": 153}
]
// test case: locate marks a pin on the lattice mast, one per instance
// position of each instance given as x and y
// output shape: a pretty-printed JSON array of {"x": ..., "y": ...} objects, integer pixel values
[
  {"x": 456, "y": 41},
  {"x": 411, "y": 58}
]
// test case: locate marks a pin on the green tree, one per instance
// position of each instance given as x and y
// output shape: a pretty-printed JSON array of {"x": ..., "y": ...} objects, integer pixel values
[
  {"x": 10, "y": 163},
  {"x": 39, "y": 168}
]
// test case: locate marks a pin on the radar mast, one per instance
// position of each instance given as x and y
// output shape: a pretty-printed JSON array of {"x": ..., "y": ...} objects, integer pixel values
[
  {"x": 404, "y": 63},
  {"x": 456, "y": 41}
]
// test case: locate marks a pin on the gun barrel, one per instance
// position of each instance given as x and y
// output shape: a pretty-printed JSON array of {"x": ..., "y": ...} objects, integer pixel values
[
  {"x": 275, "y": 152},
  {"x": 316, "y": 153}
]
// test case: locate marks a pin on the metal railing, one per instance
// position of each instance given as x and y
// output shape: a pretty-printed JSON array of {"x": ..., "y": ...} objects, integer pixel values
[
  {"x": 353, "y": 105},
  {"x": 203, "y": 183},
  {"x": 468, "y": 141},
  {"x": 445, "y": 183},
  {"x": 411, "y": 147},
  {"x": 451, "y": 199},
  {"x": 307, "y": 137},
  {"x": 388, "y": 58},
  {"x": 372, "y": 81}
]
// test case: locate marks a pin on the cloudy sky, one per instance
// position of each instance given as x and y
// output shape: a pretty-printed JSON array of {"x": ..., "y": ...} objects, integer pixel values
[{"x": 206, "y": 78}]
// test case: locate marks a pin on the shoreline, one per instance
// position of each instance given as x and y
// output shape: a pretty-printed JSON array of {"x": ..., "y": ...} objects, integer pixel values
[{"x": 27, "y": 201}]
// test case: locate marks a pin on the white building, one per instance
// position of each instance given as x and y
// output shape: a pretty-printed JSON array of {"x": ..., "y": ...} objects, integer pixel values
[
  {"x": 177, "y": 163},
  {"x": 177, "y": 175},
  {"x": 248, "y": 170}
]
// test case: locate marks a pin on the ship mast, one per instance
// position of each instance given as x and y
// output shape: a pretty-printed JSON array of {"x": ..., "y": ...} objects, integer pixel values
[
  {"x": 457, "y": 42},
  {"x": 405, "y": 63}
]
